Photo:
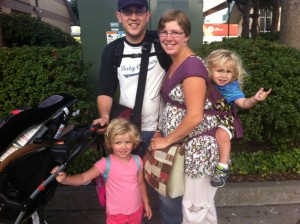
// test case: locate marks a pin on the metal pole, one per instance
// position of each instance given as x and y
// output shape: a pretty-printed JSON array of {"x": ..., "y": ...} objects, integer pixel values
[
  {"x": 37, "y": 8},
  {"x": 228, "y": 20}
]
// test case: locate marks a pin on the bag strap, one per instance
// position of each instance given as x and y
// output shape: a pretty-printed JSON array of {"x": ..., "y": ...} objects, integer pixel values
[
  {"x": 137, "y": 161},
  {"x": 105, "y": 174},
  {"x": 137, "y": 110},
  {"x": 164, "y": 60},
  {"x": 118, "y": 53},
  {"x": 99, "y": 180}
]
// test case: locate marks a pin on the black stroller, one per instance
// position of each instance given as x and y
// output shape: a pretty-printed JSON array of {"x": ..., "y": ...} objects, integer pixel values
[{"x": 32, "y": 142}]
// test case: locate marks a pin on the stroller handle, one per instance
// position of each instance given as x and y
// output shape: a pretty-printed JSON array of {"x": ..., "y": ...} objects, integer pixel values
[{"x": 87, "y": 138}]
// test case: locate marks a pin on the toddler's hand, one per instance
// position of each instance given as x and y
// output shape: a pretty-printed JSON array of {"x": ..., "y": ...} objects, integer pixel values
[{"x": 261, "y": 95}]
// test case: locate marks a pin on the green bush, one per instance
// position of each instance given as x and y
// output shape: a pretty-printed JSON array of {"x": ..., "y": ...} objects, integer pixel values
[
  {"x": 84, "y": 161},
  {"x": 276, "y": 121},
  {"x": 266, "y": 163},
  {"x": 39, "y": 60},
  {"x": 270, "y": 36},
  {"x": 19, "y": 30},
  {"x": 28, "y": 75},
  {"x": 257, "y": 163}
]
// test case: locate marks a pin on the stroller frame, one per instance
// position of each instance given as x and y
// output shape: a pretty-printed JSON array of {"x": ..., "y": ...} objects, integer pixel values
[
  {"x": 86, "y": 140},
  {"x": 49, "y": 128}
]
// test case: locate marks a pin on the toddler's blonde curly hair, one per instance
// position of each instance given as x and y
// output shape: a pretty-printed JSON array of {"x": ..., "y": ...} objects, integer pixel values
[{"x": 223, "y": 57}]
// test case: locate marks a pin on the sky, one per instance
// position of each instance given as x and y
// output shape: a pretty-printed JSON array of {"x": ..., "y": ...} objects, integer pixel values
[{"x": 207, "y": 4}]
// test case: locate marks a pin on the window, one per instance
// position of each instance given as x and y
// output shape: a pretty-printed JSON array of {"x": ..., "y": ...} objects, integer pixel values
[{"x": 265, "y": 21}]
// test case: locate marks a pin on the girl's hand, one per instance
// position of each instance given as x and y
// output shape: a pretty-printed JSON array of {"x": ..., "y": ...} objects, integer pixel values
[
  {"x": 261, "y": 95},
  {"x": 148, "y": 211},
  {"x": 61, "y": 176},
  {"x": 159, "y": 143}
]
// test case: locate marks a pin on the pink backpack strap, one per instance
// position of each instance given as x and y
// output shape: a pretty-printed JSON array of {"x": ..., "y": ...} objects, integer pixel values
[{"x": 100, "y": 183}]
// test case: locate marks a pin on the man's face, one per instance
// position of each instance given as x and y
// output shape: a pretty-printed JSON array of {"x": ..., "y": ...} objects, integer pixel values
[{"x": 134, "y": 20}]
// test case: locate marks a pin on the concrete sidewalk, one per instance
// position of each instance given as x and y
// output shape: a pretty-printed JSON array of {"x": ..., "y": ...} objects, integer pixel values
[
  {"x": 237, "y": 203},
  {"x": 233, "y": 194}
]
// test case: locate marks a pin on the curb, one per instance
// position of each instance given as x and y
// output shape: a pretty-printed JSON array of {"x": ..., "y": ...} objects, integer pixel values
[
  {"x": 233, "y": 194},
  {"x": 259, "y": 193}
]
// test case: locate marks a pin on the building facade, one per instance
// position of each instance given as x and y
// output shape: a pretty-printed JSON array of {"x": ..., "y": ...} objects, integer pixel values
[
  {"x": 55, "y": 12},
  {"x": 219, "y": 13}
]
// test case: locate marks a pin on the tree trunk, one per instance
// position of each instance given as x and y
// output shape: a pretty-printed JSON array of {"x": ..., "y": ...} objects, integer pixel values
[
  {"x": 290, "y": 23},
  {"x": 255, "y": 18},
  {"x": 244, "y": 7},
  {"x": 275, "y": 15}
]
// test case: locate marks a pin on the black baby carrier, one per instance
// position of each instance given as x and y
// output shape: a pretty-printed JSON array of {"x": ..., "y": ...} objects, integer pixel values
[{"x": 32, "y": 142}]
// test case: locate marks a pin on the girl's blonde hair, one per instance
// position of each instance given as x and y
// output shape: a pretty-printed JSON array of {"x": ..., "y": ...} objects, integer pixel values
[
  {"x": 119, "y": 126},
  {"x": 223, "y": 57}
]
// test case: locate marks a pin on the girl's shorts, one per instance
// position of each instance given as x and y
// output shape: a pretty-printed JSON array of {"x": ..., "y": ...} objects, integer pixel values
[{"x": 134, "y": 218}]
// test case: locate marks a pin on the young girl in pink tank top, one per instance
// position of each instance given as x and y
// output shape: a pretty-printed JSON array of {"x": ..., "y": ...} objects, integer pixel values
[{"x": 126, "y": 194}]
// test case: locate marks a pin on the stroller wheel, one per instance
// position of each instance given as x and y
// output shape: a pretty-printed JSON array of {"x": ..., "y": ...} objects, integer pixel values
[
  {"x": 19, "y": 180},
  {"x": 36, "y": 219}
]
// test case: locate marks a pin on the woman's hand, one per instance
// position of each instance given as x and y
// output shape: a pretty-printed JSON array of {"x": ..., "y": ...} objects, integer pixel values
[{"x": 159, "y": 143}]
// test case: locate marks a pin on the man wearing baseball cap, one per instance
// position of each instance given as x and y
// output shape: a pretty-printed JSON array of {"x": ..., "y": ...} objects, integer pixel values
[
  {"x": 124, "y": 3},
  {"x": 134, "y": 15}
]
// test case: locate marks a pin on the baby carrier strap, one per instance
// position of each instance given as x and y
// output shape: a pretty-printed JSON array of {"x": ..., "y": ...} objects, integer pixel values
[
  {"x": 163, "y": 59},
  {"x": 214, "y": 95},
  {"x": 237, "y": 123}
]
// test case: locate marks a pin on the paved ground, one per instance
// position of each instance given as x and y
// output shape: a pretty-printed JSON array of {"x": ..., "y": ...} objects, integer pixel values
[
  {"x": 237, "y": 203},
  {"x": 274, "y": 214}
]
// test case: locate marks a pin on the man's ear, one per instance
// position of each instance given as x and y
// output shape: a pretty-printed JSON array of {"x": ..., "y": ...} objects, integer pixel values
[
  {"x": 118, "y": 15},
  {"x": 148, "y": 15}
]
